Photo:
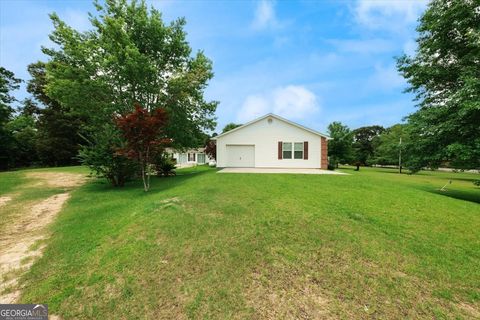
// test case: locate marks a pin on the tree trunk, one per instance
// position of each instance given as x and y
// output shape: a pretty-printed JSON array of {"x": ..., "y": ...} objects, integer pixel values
[
  {"x": 145, "y": 186},
  {"x": 147, "y": 161},
  {"x": 358, "y": 168}
]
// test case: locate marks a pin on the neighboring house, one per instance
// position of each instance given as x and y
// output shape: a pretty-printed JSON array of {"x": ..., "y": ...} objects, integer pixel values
[
  {"x": 190, "y": 157},
  {"x": 272, "y": 142}
]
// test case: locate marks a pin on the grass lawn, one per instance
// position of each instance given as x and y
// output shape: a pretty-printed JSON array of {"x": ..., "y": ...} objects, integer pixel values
[
  {"x": 372, "y": 244},
  {"x": 26, "y": 190}
]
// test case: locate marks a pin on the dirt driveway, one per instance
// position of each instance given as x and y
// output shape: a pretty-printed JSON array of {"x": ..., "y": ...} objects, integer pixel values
[{"x": 21, "y": 237}]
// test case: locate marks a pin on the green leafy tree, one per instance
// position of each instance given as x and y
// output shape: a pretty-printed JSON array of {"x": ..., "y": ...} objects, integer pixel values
[
  {"x": 391, "y": 145},
  {"x": 129, "y": 57},
  {"x": 444, "y": 74},
  {"x": 101, "y": 156},
  {"x": 24, "y": 136},
  {"x": 58, "y": 138},
  {"x": 8, "y": 83},
  {"x": 363, "y": 146},
  {"x": 230, "y": 126},
  {"x": 29, "y": 108},
  {"x": 340, "y": 147}
]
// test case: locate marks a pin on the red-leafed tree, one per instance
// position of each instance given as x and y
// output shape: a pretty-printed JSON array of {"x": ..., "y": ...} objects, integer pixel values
[
  {"x": 143, "y": 131},
  {"x": 211, "y": 149}
]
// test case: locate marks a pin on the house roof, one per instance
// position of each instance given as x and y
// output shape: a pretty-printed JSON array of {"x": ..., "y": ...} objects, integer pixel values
[
  {"x": 276, "y": 117},
  {"x": 190, "y": 150}
]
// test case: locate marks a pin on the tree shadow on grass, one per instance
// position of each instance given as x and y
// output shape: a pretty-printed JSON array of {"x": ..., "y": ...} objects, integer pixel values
[
  {"x": 467, "y": 195},
  {"x": 157, "y": 184}
]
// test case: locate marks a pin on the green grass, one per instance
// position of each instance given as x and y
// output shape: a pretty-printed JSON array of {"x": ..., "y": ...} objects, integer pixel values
[
  {"x": 26, "y": 190},
  {"x": 215, "y": 246}
]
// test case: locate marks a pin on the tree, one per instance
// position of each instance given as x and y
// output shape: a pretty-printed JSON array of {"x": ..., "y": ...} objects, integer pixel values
[
  {"x": 363, "y": 147},
  {"x": 100, "y": 154},
  {"x": 8, "y": 83},
  {"x": 58, "y": 127},
  {"x": 211, "y": 149},
  {"x": 340, "y": 147},
  {"x": 29, "y": 108},
  {"x": 230, "y": 126},
  {"x": 390, "y": 144},
  {"x": 131, "y": 57},
  {"x": 444, "y": 74},
  {"x": 24, "y": 135},
  {"x": 143, "y": 131}
]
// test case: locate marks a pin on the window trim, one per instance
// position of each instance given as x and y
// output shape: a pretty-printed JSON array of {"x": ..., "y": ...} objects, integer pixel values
[
  {"x": 302, "y": 151},
  {"x": 292, "y": 150}
]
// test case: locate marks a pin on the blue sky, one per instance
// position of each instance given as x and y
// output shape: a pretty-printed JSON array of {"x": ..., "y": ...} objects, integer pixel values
[{"x": 312, "y": 62}]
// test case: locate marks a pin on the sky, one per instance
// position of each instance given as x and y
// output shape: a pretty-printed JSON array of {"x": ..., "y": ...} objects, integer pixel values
[{"x": 312, "y": 62}]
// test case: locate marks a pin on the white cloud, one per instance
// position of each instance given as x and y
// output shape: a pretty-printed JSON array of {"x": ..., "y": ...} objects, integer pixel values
[
  {"x": 391, "y": 14},
  {"x": 253, "y": 107},
  {"x": 265, "y": 16},
  {"x": 292, "y": 102}
]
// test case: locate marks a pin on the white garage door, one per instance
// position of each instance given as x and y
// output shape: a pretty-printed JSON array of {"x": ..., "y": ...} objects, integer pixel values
[{"x": 242, "y": 156}]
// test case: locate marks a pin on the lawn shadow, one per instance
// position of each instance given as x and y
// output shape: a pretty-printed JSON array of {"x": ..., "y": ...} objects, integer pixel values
[
  {"x": 157, "y": 184},
  {"x": 466, "y": 195}
]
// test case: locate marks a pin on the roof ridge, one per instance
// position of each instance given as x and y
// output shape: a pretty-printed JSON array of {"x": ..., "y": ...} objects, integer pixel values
[{"x": 279, "y": 118}]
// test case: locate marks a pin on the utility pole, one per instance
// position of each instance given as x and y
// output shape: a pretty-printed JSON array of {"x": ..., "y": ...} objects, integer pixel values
[{"x": 400, "y": 156}]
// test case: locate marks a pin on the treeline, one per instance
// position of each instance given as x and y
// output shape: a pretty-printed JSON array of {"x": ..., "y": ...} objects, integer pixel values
[
  {"x": 112, "y": 98},
  {"x": 444, "y": 75},
  {"x": 370, "y": 145},
  {"x": 37, "y": 131}
]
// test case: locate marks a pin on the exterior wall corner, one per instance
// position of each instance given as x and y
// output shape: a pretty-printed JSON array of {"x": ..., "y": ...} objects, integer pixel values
[{"x": 324, "y": 153}]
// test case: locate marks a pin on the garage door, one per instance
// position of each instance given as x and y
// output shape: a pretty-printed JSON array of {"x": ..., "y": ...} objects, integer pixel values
[{"x": 242, "y": 156}]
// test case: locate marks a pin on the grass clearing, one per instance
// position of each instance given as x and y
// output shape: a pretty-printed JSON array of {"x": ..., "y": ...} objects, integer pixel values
[
  {"x": 34, "y": 198},
  {"x": 206, "y": 245}
]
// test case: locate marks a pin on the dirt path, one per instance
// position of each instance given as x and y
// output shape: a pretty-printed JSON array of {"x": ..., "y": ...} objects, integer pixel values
[
  {"x": 19, "y": 240},
  {"x": 4, "y": 200}
]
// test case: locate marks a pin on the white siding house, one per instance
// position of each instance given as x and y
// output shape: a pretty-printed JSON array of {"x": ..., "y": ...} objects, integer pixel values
[
  {"x": 272, "y": 142},
  {"x": 190, "y": 157}
]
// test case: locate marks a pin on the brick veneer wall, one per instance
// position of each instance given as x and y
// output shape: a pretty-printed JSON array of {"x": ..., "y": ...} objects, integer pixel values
[{"x": 324, "y": 153}]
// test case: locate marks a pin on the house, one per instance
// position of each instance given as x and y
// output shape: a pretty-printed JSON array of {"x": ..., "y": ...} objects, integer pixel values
[
  {"x": 190, "y": 157},
  {"x": 272, "y": 142}
]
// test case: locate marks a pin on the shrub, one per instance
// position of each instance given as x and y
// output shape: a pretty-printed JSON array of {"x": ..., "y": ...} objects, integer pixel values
[
  {"x": 211, "y": 149},
  {"x": 331, "y": 166},
  {"x": 165, "y": 165},
  {"x": 100, "y": 156},
  {"x": 476, "y": 182},
  {"x": 143, "y": 130}
]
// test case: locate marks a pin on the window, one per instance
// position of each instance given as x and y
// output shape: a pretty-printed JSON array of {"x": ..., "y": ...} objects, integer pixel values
[
  {"x": 182, "y": 158},
  {"x": 287, "y": 150},
  {"x": 298, "y": 150},
  {"x": 292, "y": 150},
  {"x": 191, "y": 157},
  {"x": 201, "y": 158}
]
